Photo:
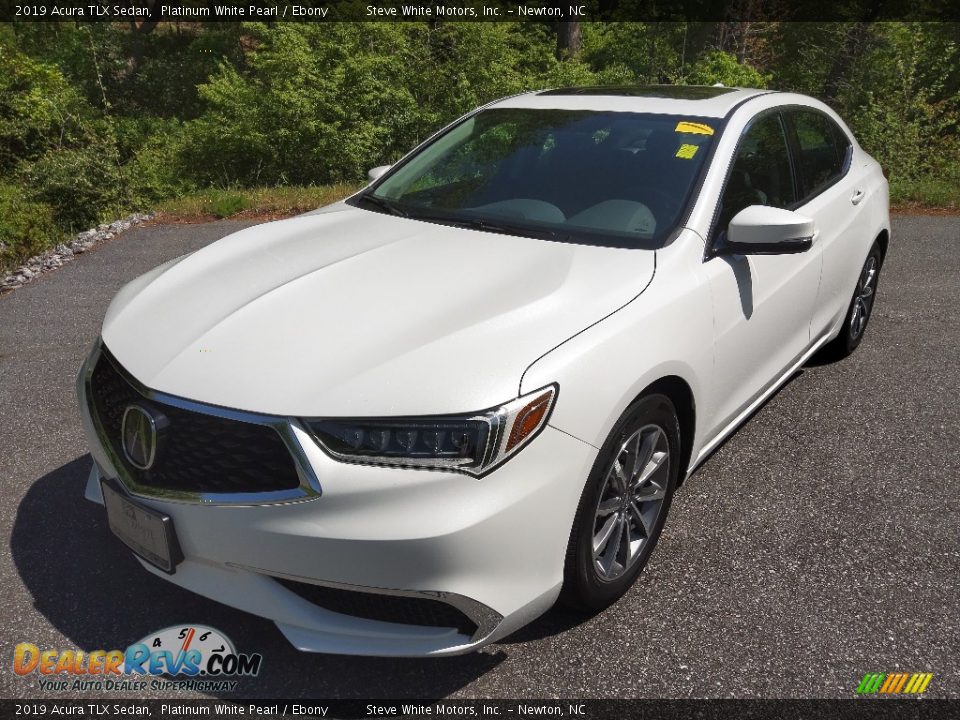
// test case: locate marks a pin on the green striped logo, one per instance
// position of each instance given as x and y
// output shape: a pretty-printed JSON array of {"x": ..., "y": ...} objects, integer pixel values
[{"x": 894, "y": 683}]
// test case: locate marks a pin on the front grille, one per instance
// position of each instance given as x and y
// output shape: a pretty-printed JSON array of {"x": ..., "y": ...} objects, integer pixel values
[
  {"x": 196, "y": 453},
  {"x": 386, "y": 608}
]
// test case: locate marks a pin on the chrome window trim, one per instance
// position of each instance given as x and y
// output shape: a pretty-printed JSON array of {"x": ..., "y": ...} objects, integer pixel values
[
  {"x": 308, "y": 489},
  {"x": 486, "y": 618}
]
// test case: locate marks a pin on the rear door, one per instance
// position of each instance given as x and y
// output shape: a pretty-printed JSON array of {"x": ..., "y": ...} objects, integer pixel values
[{"x": 831, "y": 192}]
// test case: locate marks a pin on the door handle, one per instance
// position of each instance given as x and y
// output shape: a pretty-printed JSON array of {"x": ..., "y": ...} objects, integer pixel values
[{"x": 857, "y": 197}]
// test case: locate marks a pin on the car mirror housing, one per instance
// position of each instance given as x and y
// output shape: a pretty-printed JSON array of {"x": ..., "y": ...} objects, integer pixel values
[
  {"x": 763, "y": 230},
  {"x": 379, "y": 170}
]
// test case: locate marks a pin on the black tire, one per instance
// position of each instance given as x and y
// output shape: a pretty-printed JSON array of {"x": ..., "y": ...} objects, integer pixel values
[
  {"x": 859, "y": 310},
  {"x": 585, "y": 587}
]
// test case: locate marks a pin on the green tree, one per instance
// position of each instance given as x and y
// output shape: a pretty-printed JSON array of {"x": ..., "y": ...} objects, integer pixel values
[
  {"x": 39, "y": 109},
  {"x": 904, "y": 111},
  {"x": 716, "y": 66}
]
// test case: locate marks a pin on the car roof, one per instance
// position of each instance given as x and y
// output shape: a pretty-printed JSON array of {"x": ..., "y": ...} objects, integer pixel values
[{"x": 694, "y": 100}]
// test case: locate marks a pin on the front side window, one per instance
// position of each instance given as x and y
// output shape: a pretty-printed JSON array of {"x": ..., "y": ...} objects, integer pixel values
[
  {"x": 622, "y": 177},
  {"x": 823, "y": 149},
  {"x": 761, "y": 171}
]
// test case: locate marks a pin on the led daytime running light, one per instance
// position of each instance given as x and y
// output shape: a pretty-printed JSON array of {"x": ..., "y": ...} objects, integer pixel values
[{"x": 473, "y": 444}]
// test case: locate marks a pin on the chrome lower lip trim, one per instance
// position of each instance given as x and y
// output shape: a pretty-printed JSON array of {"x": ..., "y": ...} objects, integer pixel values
[
  {"x": 308, "y": 489},
  {"x": 486, "y": 619}
]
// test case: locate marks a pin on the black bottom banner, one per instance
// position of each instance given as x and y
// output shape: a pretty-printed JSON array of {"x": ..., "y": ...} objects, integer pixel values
[{"x": 575, "y": 709}]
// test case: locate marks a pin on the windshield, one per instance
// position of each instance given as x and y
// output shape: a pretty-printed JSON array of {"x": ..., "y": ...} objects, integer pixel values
[{"x": 612, "y": 177}]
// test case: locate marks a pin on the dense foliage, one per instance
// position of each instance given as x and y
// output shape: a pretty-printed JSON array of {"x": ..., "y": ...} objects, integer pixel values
[{"x": 97, "y": 119}]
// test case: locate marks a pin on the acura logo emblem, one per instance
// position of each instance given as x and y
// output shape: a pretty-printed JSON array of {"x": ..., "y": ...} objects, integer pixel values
[{"x": 139, "y": 432}]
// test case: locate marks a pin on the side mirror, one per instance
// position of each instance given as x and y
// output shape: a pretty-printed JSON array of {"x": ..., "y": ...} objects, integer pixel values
[
  {"x": 763, "y": 230},
  {"x": 377, "y": 171}
]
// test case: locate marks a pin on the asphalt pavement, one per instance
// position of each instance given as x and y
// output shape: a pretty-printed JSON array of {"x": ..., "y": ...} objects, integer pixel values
[{"x": 820, "y": 542}]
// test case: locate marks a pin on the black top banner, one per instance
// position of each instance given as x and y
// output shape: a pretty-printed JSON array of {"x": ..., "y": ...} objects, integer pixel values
[{"x": 154, "y": 11}]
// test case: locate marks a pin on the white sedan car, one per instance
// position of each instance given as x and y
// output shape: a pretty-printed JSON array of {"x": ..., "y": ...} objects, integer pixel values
[{"x": 409, "y": 422}]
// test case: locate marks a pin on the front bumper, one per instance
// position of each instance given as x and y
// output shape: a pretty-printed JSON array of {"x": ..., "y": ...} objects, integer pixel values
[{"x": 492, "y": 548}]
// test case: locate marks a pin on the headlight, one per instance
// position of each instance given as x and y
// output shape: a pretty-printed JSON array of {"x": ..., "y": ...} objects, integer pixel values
[{"x": 473, "y": 444}]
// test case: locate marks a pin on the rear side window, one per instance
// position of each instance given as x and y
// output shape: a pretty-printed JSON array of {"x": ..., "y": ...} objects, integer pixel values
[
  {"x": 823, "y": 150},
  {"x": 761, "y": 171}
]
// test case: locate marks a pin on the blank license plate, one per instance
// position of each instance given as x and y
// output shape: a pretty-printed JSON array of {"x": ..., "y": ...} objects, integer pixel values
[{"x": 147, "y": 532}]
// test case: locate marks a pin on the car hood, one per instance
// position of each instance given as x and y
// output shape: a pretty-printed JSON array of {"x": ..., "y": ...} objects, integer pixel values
[{"x": 352, "y": 312}]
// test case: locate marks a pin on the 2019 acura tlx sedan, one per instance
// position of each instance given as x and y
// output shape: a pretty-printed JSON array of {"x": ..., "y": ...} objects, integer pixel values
[{"x": 408, "y": 422}]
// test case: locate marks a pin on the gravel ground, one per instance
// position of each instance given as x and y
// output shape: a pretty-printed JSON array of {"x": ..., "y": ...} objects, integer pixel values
[
  {"x": 55, "y": 258},
  {"x": 820, "y": 542}
]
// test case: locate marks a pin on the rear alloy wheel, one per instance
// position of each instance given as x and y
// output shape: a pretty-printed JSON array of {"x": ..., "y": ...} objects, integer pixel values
[
  {"x": 861, "y": 306},
  {"x": 624, "y": 505}
]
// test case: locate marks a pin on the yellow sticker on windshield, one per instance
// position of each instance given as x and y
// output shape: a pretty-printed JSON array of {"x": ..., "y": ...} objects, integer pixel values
[
  {"x": 687, "y": 151},
  {"x": 694, "y": 128}
]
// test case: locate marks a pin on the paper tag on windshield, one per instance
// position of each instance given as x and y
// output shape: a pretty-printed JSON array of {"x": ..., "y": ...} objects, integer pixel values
[{"x": 693, "y": 128}]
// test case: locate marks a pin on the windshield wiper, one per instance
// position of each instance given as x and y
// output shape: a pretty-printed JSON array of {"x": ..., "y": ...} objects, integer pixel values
[
  {"x": 475, "y": 223},
  {"x": 383, "y": 204},
  {"x": 494, "y": 226}
]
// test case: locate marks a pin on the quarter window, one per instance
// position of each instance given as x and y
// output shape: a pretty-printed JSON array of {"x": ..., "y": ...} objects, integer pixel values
[
  {"x": 761, "y": 171},
  {"x": 822, "y": 150}
]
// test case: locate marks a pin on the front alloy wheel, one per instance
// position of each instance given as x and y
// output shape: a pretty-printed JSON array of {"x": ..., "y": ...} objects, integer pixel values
[
  {"x": 624, "y": 505},
  {"x": 630, "y": 502}
]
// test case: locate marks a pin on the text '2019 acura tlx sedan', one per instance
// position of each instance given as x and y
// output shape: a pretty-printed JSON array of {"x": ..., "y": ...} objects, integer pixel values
[{"x": 408, "y": 422}]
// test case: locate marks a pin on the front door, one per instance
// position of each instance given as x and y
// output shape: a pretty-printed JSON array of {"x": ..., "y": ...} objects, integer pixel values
[{"x": 762, "y": 304}]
